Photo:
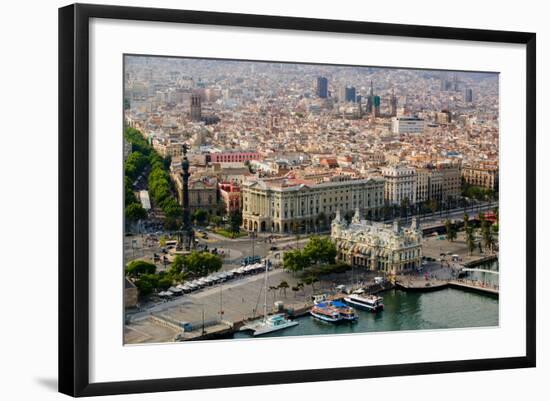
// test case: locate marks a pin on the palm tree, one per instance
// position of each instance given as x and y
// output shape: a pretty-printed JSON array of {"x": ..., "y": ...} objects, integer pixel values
[
  {"x": 466, "y": 221},
  {"x": 300, "y": 285},
  {"x": 311, "y": 280},
  {"x": 295, "y": 290},
  {"x": 470, "y": 241},
  {"x": 481, "y": 218},
  {"x": 283, "y": 285},
  {"x": 272, "y": 289},
  {"x": 487, "y": 235},
  {"x": 451, "y": 232}
]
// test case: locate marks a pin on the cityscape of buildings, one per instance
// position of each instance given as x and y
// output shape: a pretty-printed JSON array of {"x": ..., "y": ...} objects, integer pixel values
[
  {"x": 361, "y": 164},
  {"x": 298, "y": 141}
]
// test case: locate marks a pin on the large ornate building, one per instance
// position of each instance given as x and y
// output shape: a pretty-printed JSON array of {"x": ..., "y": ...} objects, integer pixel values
[
  {"x": 285, "y": 205},
  {"x": 230, "y": 196},
  {"x": 377, "y": 246},
  {"x": 203, "y": 193},
  {"x": 481, "y": 175},
  {"x": 400, "y": 184},
  {"x": 440, "y": 182}
]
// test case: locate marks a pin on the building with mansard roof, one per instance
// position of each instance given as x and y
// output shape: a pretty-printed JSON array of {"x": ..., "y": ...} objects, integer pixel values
[
  {"x": 377, "y": 246},
  {"x": 288, "y": 204}
]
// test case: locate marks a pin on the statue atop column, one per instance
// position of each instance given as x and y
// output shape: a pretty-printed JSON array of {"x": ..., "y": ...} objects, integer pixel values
[{"x": 186, "y": 231}]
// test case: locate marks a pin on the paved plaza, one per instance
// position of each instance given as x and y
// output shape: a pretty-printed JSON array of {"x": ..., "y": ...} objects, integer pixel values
[{"x": 243, "y": 298}]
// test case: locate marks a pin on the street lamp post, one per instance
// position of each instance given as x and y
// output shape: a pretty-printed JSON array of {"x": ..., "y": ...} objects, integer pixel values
[{"x": 253, "y": 237}]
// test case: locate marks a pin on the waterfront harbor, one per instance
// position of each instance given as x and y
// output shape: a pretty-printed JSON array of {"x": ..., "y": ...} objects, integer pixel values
[{"x": 197, "y": 316}]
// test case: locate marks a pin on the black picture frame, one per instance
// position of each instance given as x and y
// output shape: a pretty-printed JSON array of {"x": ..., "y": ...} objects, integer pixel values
[{"x": 74, "y": 198}]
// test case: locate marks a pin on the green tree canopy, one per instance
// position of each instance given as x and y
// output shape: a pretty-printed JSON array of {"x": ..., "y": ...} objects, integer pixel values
[
  {"x": 134, "y": 212},
  {"x": 200, "y": 216},
  {"x": 216, "y": 220},
  {"x": 171, "y": 208},
  {"x": 129, "y": 196},
  {"x": 295, "y": 260},
  {"x": 202, "y": 263},
  {"x": 137, "y": 268},
  {"x": 165, "y": 282},
  {"x": 451, "y": 230},
  {"x": 138, "y": 141},
  {"x": 470, "y": 239},
  {"x": 147, "y": 283},
  {"x": 235, "y": 221},
  {"x": 320, "y": 250},
  {"x": 177, "y": 271},
  {"x": 178, "y": 264}
]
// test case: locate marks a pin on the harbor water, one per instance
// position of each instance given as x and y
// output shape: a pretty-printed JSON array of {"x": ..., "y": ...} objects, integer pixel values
[
  {"x": 443, "y": 309},
  {"x": 485, "y": 272}
]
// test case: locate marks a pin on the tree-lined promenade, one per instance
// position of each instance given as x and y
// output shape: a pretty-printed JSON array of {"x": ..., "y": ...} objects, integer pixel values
[
  {"x": 195, "y": 265},
  {"x": 145, "y": 160},
  {"x": 483, "y": 228}
]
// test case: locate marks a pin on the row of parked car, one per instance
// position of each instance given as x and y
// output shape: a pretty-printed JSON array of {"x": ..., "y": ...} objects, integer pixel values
[{"x": 212, "y": 279}]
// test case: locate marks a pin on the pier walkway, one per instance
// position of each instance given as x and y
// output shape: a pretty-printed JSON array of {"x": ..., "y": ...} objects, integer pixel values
[{"x": 434, "y": 285}]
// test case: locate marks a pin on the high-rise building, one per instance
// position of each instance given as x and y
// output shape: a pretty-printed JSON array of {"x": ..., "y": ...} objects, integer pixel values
[
  {"x": 410, "y": 125},
  {"x": 322, "y": 87},
  {"x": 393, "y": 104},
  {"x": 347, "y": 94},
  {"x": 195, "y": 107},
  {"x": 369, "y": 98},
  {"x": 443, "y": 117},
  {"x": 350, "y": 94},
  {"x": 376, "y": 106},
  {"x": 468, "y": 95}
]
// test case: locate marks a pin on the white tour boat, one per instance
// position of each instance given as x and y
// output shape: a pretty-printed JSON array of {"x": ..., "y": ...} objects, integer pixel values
[
  {"x": 372, "y": 303},
  {"x": 326, "y": 313}
]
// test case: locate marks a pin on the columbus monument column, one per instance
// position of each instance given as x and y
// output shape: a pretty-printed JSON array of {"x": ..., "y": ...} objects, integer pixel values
[{"x": 186, "y": 231}]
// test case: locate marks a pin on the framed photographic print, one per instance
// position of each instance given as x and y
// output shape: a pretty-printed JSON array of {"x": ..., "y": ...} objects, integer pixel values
[{"x": 250, "y": 199}]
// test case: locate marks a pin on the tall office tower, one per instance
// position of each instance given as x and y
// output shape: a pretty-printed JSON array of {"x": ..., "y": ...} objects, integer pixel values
[
  {"x": 322, "y": 87},
  {"x": 195, "y": 107},
  {"x": 342, "y": 93},
  {"x": 350, "y": 94},
  {"x": 393, "y": 104},
  {"x": 455, "y": 83},
  {"x": 376, "y": 106},
  {"x": 358, "y": 98},
  {"x": 369, "y": 99},
  {"x": 468, "y": 95},
  {"x": 443, "y": 82}
]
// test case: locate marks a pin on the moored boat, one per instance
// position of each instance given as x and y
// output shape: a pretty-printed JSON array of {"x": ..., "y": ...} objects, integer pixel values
[
  {"x": 346, "y": 311},
  {"x": 319, "y": 298},
  {"x": 372, "y": 303},
  {"x": 326, "y": 313},
  {"x": 270, "y": 323},
  {"x": 273, "y": 323}
]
